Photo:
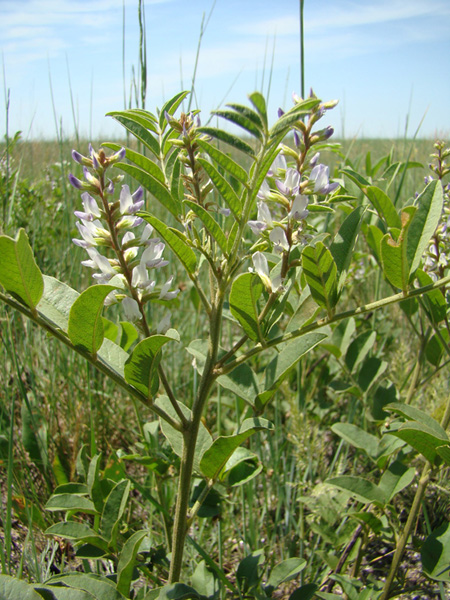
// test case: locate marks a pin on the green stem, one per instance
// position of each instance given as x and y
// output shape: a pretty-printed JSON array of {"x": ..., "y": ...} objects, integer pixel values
[
  {"x": 181, "y": 520},
  {"x": 410, "y": 523},
  {"x": 333, "y": 319},
  {"x": 96, "y": 361}
]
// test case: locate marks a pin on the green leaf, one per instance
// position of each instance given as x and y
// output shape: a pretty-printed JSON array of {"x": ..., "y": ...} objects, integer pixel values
[
  {"x": 423, "y": 223},
  {"x": 223, "y": 187},
  {"x": 19, "y": 273},
  {"x": 396, "y": 477},
  {"x": 216, "y": 456},
  {"x": 94, "y": 483},
  {"x": 319, "y": 269},
  {"x": 179, "y": 591},
  {"x": 357, "y": 437},
  {"x": 224, "y": 160},
  {"x": 249, "y": 114},
  {"x": 128, "y": 335},
  {"x": 359, "y": 348},
  {"x": 140, "y": 125},
  {"x": 59, "y": 592},
  {"x": 113, "y": 356},
  {"x": 344, "y": 243},
  {"x": 113, "y": 510},
  {"x": 175, "y": 240},
  {"x": 245, "y": 292},
  {"x": 171, "y": 106},
  {"x": 240, "y": 120},
  {"x": 210, "y": 223},
  {"x": 281, "y": 365},
  {"x": 228, "y": 138},
  {"x": 127, "y": 561},
  {"x": 371, "y": 370},
  {"x": 157, "y": 188},
  {"x": 56, "y": 302},
  {"x": 305, "y": 592},
  {"x": 434, "y": 301},
  {"x": 85, "y": 328},
  {"x": 394, "y": 263},
  {"x": 259, "y": 102},
  {"x": 204, "y": 580},
  {"x": 422, "y": 438},
  {"x": 15, "y": 589},
  {"x": 435, "y": 349},
  {"x": 242, "y": 382},
  {"x": 144, "y": 162},
  {"x": 415, "y": 414},
  {"x": 357, "y": 178},
  {"x": 435, "y": 553},
  {"x": 241, "y": 467},
  {"x": 284, "y": 571},
  {"x": 175, "y": 438},
  {"x": 384, "y": 206},
  {"x": 362, "y": 489},
  {"x": 100, "y": 587},
  {"x": 292, "y": 116},
  {"x": 247, "y": 573},
  {"x": 141, "y": 368},
  {"x": 70, "y": 530},
  {"x": 72, "y": 502}
]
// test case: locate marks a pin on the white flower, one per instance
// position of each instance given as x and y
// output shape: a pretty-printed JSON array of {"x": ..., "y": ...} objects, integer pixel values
[
  {"x": 165, "y": 294},
  {"x": 264, "y": 190},
  {"x": 131, "y": 309},
  {"x": 299, "y": 210},
  {"x": 130, "y": 204},
  {"x": 164, "y": 324},
  {"x": 262, "y": 269},
  {"x": 278, "y": 238},
  {"x": 152, "y": 255},
  {"x": 263, "y": 221}
]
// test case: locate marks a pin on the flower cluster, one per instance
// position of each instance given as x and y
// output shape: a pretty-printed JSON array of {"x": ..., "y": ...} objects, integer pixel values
[
  {"x": 113, "y": 224},
  {"x": 284, "y": 196},
  {"x": 437, "y": 256}
]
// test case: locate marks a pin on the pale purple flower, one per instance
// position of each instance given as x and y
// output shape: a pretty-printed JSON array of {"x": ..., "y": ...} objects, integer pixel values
[
  {"x": 263, "y": 221},
  {"x": 278, "y": 164},
  {"x": 165, "y": 294},
  {"x": 291, "y": 183},
  {"x": 299, "y": 209},
  {"x": 140, "y": 279},
  {"x": 92, "y": 233},
  {"x": 164, "y": 324},
  {"x": 279, "y": 240},
  {"x": 91, "y": 209},
  {"x": 131, "y": 309},
  {"x": 152, "y": 255},
  {"x": 225, "y": 212},
  {"x": 261, "y": 267},
  {"x": 130, "y": 203},
  {"x": 322, "y": 185},
  {"x": 264, "y": 191}
]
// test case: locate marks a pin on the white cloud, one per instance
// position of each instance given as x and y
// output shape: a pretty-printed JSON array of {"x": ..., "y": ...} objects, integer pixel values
[{"x": 346, "y": 15}]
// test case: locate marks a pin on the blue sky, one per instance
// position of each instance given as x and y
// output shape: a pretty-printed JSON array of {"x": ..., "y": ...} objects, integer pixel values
[{"x": 385, "y": 60}]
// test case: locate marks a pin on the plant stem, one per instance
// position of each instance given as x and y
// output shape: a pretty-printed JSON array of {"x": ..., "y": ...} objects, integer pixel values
[{"x": 403, "y": 540}]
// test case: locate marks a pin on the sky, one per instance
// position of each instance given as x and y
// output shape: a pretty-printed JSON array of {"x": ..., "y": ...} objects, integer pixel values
[{"x": 66, "y": 63}]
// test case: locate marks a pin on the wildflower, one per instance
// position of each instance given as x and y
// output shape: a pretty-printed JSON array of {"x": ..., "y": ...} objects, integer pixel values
[
  {"x": 291, "y": 183},
  {"x": 278, "y": 238},
  {"x": 165, "y": 294},
  {"x": 130, "y": 203},
  {"x": 131, "y": 309},
  {"x": 152, "y": 255},
  {"x": 263, "y": 221},
  {"x": 164, "y": 324},
  {"x": 264, "y": 191},
  {"x": 279, "y": 164},
  {"x": 262, "y": 269},
  {"x": 322, "y": 185},
  {"x": 91, "y": 209},
  {"x": 299, "y": 211}
]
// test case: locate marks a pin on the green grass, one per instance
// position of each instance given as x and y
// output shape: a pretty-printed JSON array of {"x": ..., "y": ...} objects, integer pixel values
[{"x": 287, "y": 509}]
